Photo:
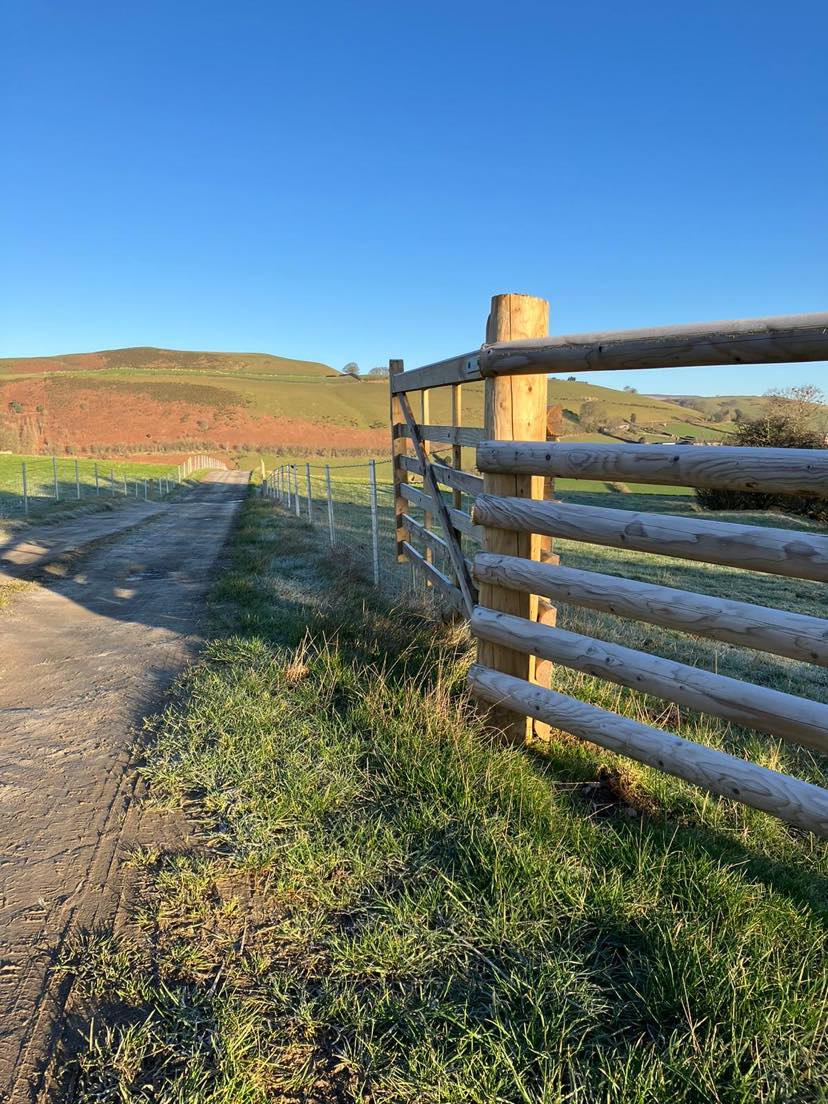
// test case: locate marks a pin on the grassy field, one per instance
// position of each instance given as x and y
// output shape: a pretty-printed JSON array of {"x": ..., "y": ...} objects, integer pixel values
[
  {"x": 152, "y": 400},
  {"x": 115, "y": 479},
  {"x": 384, "y": 905}
]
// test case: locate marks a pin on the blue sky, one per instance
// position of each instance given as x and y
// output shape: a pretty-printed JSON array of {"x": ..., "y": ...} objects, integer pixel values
[{"x": 352, "y": 181}]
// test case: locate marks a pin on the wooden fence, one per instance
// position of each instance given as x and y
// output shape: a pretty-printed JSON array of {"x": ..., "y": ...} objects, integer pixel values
[{"x": 499, "y": 567}]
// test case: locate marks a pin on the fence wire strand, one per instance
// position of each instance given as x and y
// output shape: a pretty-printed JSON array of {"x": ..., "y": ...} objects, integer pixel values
[{"x": 352, "y": 518}]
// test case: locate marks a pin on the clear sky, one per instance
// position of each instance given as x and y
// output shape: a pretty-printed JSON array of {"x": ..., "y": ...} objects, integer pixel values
[{"x": 352, "y": 181}]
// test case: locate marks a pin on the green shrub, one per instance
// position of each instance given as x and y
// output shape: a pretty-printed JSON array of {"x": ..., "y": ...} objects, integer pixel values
[{"x": 772, "y": 431}]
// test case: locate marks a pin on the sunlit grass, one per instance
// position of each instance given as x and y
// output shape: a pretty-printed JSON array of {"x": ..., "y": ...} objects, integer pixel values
[{"x": 389, "y": 906}]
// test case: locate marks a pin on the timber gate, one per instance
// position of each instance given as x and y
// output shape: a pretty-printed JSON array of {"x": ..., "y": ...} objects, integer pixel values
[{"x": 493, "y": 536}]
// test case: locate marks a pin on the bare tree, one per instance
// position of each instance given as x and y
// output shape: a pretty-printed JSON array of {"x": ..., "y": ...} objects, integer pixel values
[
  {"x": 351, "y": 369},
  {"x": 794, "y": 405}
]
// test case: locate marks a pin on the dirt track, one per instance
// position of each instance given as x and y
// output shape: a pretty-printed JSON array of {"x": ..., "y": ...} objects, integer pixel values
[{"x": 81, "y": 663}]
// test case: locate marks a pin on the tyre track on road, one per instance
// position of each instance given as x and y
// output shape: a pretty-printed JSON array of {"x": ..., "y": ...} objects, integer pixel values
[{"x": 82, "y": 662}]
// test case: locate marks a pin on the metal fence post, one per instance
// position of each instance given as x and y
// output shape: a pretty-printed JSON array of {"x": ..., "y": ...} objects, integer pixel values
[
  {"x": 310, "y": 493},
  {"x": 25, "y": 489},
  {"x": 330, "y": 502},
  {"x": 77, "y": 480},
  {"x": 54, "y": 474},
  {"x": 372, "y": 474},
  {"x": 296, "y": 489}
]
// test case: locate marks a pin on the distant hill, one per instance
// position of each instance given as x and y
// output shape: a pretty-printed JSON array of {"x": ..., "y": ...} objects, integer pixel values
[
  {"x": 146, "y": 400},
  {"x": 147, "y": 358}
]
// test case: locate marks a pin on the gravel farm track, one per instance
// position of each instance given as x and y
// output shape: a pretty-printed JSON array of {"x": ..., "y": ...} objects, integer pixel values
[{"x": 83, "y": 659}]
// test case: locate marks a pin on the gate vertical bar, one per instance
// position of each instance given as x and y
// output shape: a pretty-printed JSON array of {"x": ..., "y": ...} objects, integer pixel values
[{"x": 398, "y": 474}]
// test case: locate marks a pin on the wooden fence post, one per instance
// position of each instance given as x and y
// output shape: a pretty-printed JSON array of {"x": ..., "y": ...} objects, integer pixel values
[
  {"x": 515, "y": 410},
  {"x": 398, "y": 474},
  {"x": 310, "y": 492}
]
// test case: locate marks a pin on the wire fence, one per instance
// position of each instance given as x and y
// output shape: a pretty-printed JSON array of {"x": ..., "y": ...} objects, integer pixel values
[
  {"x": 33, "y": 484},
  {"x": 353, "y": 505}
]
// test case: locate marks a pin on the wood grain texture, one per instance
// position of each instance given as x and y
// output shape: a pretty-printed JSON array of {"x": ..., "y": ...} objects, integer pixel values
[
  {"x": 793, "y": 718},
  {"x": 790, "y": 799},
  {"x": 448, "y": 476},
  {"x": 761, "y": 628},
  {"x": 795, "y": 337},
  {"x": 459, "y": 518},
  {"x": 457, "y": 450},
  {"x": 457, "y": 369},
  {"x": 770, "y": 470},
  {"x": 797, "y": 555},
  {"x": 427, "y": 536},
  {"x": 515, "y": 409},
  {"x": 466, "y": 436}
]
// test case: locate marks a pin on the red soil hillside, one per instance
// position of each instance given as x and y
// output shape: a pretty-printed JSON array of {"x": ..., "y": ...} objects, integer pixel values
[{"x": 129, "y": 401}]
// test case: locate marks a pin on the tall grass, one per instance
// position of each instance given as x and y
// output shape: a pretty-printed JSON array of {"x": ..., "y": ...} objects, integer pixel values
[{"x": 387, "y": 905}]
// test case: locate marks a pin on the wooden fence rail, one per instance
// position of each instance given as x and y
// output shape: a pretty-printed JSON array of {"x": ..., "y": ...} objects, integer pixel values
[{"x": 517, "y": 576}]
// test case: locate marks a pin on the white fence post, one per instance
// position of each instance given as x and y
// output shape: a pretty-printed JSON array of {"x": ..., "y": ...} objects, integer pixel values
[
  {"x": 296, "y": 489},
  {"x": 330, "y": 502},
  {"x": 310, "y": 492},
  {"x": 25, "y": 489},
  {"x": 372, "y": 474},
  {"x": 54, "y": 474}
]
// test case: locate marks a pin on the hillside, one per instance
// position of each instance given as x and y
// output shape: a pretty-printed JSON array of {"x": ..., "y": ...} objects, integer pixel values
[
  {"x": 147, "y": 358},
  {"x": 150, "y": 401}
]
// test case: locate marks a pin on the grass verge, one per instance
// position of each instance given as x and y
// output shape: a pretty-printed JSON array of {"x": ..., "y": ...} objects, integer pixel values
[{"x": 388, "y": 906}]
